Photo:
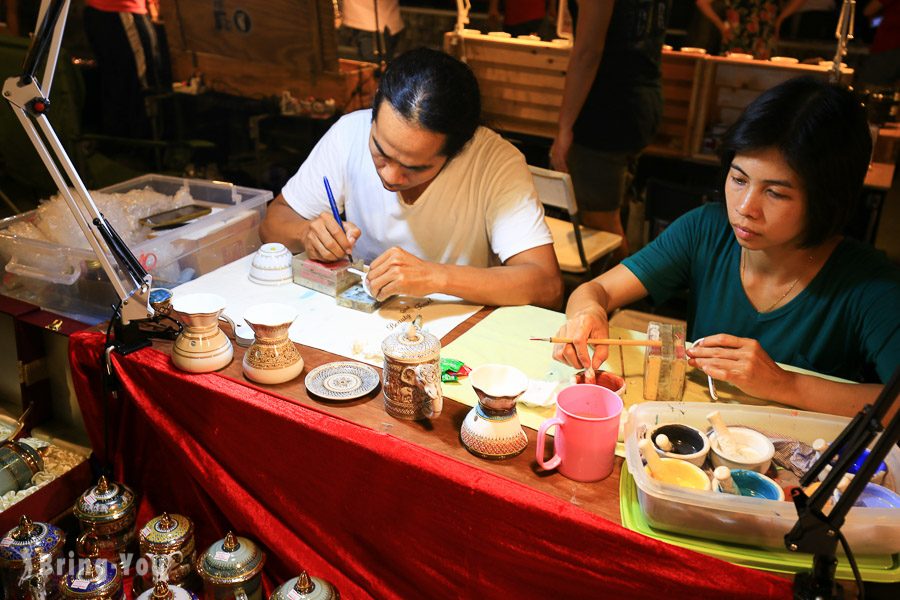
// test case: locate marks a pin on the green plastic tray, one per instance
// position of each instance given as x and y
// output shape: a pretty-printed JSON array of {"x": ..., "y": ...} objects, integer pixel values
[{"x": 881, "y": 569}]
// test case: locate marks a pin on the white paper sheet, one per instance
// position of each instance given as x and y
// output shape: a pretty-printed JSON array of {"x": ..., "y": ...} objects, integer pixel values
[{"x": 321, "y": 322}]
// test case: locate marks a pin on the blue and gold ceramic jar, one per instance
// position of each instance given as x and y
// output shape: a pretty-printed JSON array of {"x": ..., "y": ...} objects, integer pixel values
[
  {"x": 27, "y": 552},
  {"x": 95, "y": 579}
]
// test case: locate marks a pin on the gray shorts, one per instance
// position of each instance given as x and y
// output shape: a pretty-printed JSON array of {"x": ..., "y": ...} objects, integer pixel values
[{"x": 600, "y": 179}]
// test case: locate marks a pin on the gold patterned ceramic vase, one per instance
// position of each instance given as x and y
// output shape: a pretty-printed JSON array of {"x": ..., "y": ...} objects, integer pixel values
[
  {"x": 167, "y": 542},
  {"x": 231, "y": 569},
  {"x": 201, "y": 347},
  {"x": 273, "y": 357},
  {"x": 108, "y": 512},
  {"x": 28, "y": 555},
  {"x": 305, "y": 587},
  {"x": 412, "y": 374}
]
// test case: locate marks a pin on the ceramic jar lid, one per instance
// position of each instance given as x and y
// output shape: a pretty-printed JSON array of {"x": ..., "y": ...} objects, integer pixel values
[
  {"x": 104, "y": 502},
  {"x": 98, "y": 579},
  {"x": 27, "y": 539},
  {"x": 412, "y": 345},
  {"x": 164, "y": 591},
  {"x": 231, "y": 560},
  {"x": 167, "y": 533},
  {"x": 305, "y": 587}
]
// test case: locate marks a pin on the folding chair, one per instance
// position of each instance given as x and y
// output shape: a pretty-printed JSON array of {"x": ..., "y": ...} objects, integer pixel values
[{"x": 579, "y": 250}]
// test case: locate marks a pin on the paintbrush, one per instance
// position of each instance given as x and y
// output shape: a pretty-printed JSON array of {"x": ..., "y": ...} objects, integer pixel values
[
  {"x": 334, "y": 210},
  {"x": 602, "y": 341}
]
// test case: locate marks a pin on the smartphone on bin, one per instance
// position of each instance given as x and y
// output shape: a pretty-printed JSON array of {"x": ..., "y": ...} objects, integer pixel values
[{"x": 174, "y": 217}]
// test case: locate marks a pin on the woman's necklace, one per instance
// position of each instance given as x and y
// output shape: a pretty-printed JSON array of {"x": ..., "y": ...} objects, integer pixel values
[{"x": 784, "y": 295}]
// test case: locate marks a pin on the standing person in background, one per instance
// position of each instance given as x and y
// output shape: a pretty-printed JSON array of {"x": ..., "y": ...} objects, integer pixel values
[
  {"x": 612, "y": 103},
  {"x": 375, "y": 28},
  {"x": 126, "y": 48},
  {"x": 749, "y": 26},
  {"x": 523, "y": 17},
  {"x": 883, "y": 64}
]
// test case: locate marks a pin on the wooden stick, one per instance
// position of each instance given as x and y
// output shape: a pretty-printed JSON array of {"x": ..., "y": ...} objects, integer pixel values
[{"x": 603, "y": 341}]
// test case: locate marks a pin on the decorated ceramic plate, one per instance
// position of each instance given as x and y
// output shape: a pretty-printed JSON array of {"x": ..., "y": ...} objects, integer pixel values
[{"x": 342, "y": 380}]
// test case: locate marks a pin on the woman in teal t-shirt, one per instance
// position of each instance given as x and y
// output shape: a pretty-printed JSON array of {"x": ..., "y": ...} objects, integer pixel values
[{"x": 770, "y": 274}]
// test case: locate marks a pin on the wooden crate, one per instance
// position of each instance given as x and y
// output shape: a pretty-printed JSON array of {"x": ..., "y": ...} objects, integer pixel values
[
  {"x": 259, "y": 48},
  {"x": 681, "y": 77},
  {"x": 521, "y": 81},
  {"x": 729, "y": 85}
]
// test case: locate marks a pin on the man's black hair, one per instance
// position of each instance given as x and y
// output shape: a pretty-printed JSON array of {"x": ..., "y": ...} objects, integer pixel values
[{"x": 435, "y": 91}]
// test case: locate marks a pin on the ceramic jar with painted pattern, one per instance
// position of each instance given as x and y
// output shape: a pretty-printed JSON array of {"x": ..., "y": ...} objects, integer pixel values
[
  {"x": 95, "y": 579},
  {"x": 231, "y": 569},
  {"x": 108, "y": 512},
  {"x": 163, "y": 591},
  {"x": 33, "y": 548},
  {"x": 412, "y": 373},
  {"x": 167, "y": 542},
  {"x": 305, "y": 587}
]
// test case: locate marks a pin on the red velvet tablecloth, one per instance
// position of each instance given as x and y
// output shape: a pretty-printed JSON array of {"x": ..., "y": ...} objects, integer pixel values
[{"x": 378, "y": 516}]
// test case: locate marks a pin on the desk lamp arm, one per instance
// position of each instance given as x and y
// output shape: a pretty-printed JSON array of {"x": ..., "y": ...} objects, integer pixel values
[
  {"x": 30, "y": 104},
  {"x": 818, "y": 533}
]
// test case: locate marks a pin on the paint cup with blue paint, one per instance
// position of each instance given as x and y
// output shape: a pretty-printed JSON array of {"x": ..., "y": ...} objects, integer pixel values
[{"x": 743, "y": 482}]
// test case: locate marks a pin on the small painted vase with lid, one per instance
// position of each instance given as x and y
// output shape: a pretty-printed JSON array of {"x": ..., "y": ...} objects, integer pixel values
[
  {"x": 164, "y": 591},
  {"x": 96, "y": 578},
  {"x": 167, "y": 542},
  {"x": 305, "y": 587},
  {"x": 231, "y": 569},
  {"x": 108, "y": 512},
  {"x": 33, "y": 548},
  {"x": 412, "y": 373}
]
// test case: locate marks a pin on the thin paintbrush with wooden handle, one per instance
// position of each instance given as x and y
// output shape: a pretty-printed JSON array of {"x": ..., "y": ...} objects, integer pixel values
[{"x": 602, "y": 341}]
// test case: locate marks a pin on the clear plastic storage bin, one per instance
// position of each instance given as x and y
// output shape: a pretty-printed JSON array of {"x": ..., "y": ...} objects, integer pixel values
[
  {"x": 744, "y": 520},
  {"x": 70, "y": 281}
]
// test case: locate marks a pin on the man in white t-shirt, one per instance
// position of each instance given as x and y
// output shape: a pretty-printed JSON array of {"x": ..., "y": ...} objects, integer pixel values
[{"x": 435, "y": 202}]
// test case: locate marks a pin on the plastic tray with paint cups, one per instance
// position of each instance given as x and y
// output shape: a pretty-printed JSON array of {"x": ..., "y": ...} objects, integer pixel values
[
  {"x": 742, "y": 520},
  {"x": 876, "y": 568}
]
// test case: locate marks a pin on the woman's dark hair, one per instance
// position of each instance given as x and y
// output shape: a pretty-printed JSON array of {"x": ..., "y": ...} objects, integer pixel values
[
  {"x": 821, "y": 131},
  {"x": 435, "y": 91}
]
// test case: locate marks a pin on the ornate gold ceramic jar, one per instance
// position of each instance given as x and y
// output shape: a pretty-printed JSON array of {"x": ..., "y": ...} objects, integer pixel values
[
  {"x": 305, "y": 587},
  {"x": 412, "y": 373},
  {"x": 164, "y": 591},
  {"x": 32, "y": 548},
  {"x": 167, "y": 542},
  {"x": 108, "y": 512},
  {"x": 231, "y": 569}
]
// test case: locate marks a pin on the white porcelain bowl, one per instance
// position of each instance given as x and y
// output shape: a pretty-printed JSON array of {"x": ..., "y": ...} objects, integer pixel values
[
  {"x": 271, "y": 265},
  {"x": 759, "y": 450}
]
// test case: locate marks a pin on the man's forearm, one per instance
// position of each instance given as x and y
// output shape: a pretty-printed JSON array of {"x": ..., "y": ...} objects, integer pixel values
[
  {"x": 509, "y": 285},
  {"x": 282, "y": 224}
]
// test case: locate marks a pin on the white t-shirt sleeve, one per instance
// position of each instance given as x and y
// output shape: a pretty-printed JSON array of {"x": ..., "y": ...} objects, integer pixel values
[
  {"x": 515, "y": 216},
  {"x": 305, "y": 191}
]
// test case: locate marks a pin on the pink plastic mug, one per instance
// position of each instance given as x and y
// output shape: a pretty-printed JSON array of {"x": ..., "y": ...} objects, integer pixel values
[{"x": 587, "y": 425}]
